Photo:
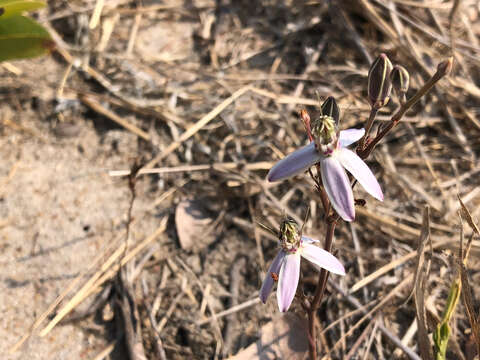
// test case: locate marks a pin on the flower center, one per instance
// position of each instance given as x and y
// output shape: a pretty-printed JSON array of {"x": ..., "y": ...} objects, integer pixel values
[
  {"x": 324, "y": 134},
  {"x": 290, "y": 237}
]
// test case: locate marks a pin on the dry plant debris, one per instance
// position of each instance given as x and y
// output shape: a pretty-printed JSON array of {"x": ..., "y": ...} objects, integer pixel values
[{"x": 208, "y": 93}]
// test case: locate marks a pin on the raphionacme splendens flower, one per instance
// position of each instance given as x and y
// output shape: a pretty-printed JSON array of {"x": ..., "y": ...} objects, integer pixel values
[
  {"x": 329, "y": 148},
  {"x": 286, "y": 266}
]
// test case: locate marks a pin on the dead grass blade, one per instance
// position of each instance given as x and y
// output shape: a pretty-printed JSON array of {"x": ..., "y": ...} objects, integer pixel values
[
  {"x": 96, "y": 106},
  {"x": 370, "y": 313},
  {"x": 198, "y": 125},
  {"x": 226, "y": 166},
  {"x": 56, "y": 302},
  {"x": 421, "y": 275},
  {"x": 105, "y": 273},
  {"x": 468, "y": 302},
  {"x": 392, "y": 265},
  {"x": 442, "y": 332},
  {"x": 466, "y": 214},
  {"x": 467, "y": 294}
]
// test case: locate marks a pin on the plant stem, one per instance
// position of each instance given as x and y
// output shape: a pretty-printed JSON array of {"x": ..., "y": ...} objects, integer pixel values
[
  {"x": 323, "y": 194},
  {"x": 319, "y": 291},
  {"x": 364, "y": 150},
  {"x": 368, "y": 127},
  {"x": 442, "y": 70}
]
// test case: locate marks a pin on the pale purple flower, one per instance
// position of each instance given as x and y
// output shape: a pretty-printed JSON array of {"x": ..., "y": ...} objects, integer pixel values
[
  {"x": 286, "y": 266},
  {"x": 330, "y": 150}
]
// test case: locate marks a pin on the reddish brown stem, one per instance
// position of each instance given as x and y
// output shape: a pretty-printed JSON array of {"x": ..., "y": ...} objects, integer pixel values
[
  {"x": 368, "y": 127},
  {"x": 443, "y": 69},
  {"x": 319, "y": 291},
  {"x": 364, "y": 150},
  {"x": 323, "y": 194}
]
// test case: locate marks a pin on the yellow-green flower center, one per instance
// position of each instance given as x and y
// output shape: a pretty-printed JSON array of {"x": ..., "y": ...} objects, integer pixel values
[
  {"x": 324, "y": 133},
  {"x": 290, "y": 237}
]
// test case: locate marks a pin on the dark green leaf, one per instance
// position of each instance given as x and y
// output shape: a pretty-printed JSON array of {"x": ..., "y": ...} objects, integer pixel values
[{"x": 21, "y": 37}]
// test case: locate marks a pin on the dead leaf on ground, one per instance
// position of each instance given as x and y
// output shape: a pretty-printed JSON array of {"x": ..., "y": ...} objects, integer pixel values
[
  {"x": 285, "y": 337},
  {"x": 194, "y": 225}
]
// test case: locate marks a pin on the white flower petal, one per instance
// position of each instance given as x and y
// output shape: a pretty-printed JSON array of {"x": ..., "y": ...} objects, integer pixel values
[
  {"x": 309, "y": 240},
  {"x": 349, "y": 136},
  {"x": 360, "y": 171},
  {"x": 322, "y": 259},
  {"x": 288, "y": 281},
  {"x": 294, "y": 163},
  {"x": 336, "y": 184},
  {"x": 268, "y": 281}
]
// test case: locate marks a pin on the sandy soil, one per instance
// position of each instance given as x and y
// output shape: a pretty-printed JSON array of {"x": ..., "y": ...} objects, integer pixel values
[{"x": 58, "y": 209}]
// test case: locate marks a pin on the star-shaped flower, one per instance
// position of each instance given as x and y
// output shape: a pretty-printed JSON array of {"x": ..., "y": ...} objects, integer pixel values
[
  {"x": 329, "y": 148},
  {"x": 286, "y": 266}
]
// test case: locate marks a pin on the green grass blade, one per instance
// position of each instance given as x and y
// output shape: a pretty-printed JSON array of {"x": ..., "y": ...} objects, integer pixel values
[{"x": 442, "y": 332}]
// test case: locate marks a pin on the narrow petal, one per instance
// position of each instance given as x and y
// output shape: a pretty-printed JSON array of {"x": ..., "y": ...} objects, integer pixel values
[
  {"x": 360, "y": 171},
  {"x": 309, "y": 240},
  {"x": 294, "y": 163},
  {"x": 348, "y": 137},
  {"x": 268, "y": 281},
  {"x": 322, "y": 259},
  {"x": 288, "y": 281},
  {"x": 338, "y": 188}
]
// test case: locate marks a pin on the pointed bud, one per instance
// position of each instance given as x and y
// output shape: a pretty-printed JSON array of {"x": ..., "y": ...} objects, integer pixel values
[
  {"x": 330, "y": 108},
  {"x": 379, "y": 84},
  {"x": 306, "y": 123},
  {"x": 400, "y": 79},
  {"x": 305, "y": 117},
  {"x": 445, "y": 67}
]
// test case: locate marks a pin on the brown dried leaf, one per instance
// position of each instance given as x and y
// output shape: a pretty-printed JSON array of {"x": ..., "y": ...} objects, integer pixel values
[
  {"x": 468, "y": 302},
  {"x": 421, "y": 274},
  {"x": 285, "y": 337},
  {"x": 194, "y": 225},
  {"x": 466, "y": 214}
]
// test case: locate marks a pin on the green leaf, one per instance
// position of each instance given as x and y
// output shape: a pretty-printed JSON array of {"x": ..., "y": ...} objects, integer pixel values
[
  {"x": 440, "y": 339},
  {"x": 21, "y": 37},
  {"x": 442, "y": 332},
  {"x": 10, "y": 8}
]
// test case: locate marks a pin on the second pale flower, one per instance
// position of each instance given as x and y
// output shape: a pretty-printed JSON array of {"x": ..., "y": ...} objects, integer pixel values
[{"x": 285, "y": 268}]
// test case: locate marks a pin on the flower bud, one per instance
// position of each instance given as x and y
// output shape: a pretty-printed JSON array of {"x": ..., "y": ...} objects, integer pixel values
[
  {"x": 330, "y": 108},
  {"x": 306, "y": 123},
  {"x": 400, "y": 79},
  {"x": 379, "y": 84},
  {"x": 445, "y": 67},
  {"x": 305, "y": 116},
  {"x": 305, "y": 119}
]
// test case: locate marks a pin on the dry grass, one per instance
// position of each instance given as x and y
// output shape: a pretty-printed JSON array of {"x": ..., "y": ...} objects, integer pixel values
[{"x": 212, "y": 92}]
